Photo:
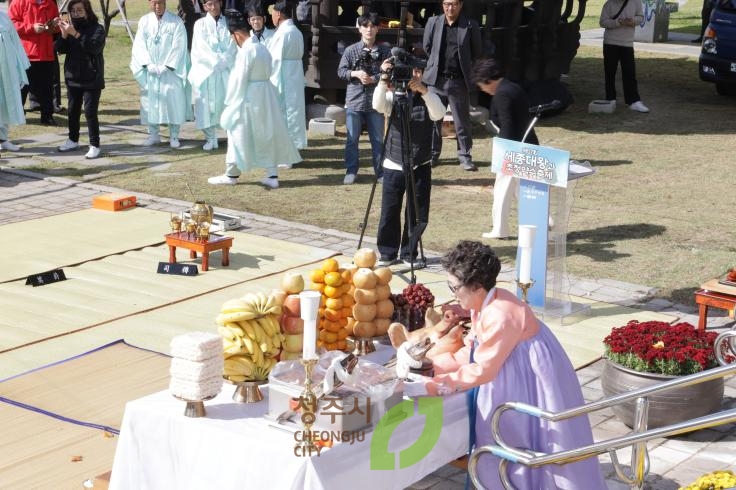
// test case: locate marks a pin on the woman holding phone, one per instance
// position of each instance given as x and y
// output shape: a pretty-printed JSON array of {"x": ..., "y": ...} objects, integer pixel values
[{"x": 82, "y": 40}]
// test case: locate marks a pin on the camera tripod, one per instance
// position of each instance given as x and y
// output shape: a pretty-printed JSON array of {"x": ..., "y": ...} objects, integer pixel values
[{"x": 401, "y": 115}]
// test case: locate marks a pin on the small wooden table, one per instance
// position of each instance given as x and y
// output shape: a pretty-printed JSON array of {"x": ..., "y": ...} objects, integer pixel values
[
  {"x": 717, "y": 295},
  {"x": 193, "y": 244}
]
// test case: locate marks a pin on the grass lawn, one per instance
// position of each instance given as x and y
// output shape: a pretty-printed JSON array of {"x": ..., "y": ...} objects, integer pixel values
[{"x": 658, "y": 212}]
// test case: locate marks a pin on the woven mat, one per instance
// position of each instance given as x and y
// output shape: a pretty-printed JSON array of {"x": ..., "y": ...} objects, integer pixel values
[
  {"x": 49, "y": 424},
  {"x": 116, "y": 286},
  {"x": 38, "y": 245}
]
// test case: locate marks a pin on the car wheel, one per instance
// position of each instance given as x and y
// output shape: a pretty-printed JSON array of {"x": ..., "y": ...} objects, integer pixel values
[{"x": 725, "y": 88}]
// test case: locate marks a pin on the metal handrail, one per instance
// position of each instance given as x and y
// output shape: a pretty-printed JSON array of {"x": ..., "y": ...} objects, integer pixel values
[{"x": 637, "y": 438}]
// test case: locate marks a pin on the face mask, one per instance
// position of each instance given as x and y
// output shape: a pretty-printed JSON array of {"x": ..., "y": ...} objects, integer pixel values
[{"x": 78, "y": 23}]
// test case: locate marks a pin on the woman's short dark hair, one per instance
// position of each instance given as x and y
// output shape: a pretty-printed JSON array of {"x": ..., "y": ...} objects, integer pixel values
[
  {"x": 473, "y": 263},
  {"x": 88, "y": 12},
  {"x": 371, "y": 17},
  {"x": 486, "y": 69},
  {"x": 255, "y": 9}
]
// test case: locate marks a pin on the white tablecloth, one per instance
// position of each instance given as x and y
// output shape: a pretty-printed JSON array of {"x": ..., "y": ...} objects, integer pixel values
[{"x": 235, "y": 447}]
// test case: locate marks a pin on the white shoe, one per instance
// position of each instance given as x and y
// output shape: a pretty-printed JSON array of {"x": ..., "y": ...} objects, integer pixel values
[
  {"x": 174, "y": 143},
  {"x": 222, "y": 180},
  {"x": 492, "y": 234},
  {"x": 638, "y": 106},
  {"x": 68, "y": 145},
  {"x": 271, "y": 182},
  {"x": 349, "y": 179},
  {"x": 9, "y": 146},
  {"x": 93, "y": 153},
  {"x": 153, "y": 139},
  {"x": 210, "y": 145},
  {"x": 285, "y": 165}
]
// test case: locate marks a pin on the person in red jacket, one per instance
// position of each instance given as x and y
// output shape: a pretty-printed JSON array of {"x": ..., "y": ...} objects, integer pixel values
[{"x": 36, "y": 22}]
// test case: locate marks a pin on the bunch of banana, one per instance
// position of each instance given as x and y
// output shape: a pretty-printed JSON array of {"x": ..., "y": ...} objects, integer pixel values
[{"x": 251, "y": 336}]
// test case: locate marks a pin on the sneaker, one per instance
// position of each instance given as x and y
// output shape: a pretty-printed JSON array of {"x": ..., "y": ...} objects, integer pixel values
[
  {"x": 385, "y": 262},
  {"x": 271, "y": 182},
  {"x": 418, "y": 263},
  {"x": 210, "y": 145},
  {"x": 68, "y": 145},
  {"x": 638, "y": 106},
  {"x": 285, "y": 165},
  {"x": 153, "y": 139},
  {"x": 222, "y": 180},
  {"x": 174, "y": 143},
  {"x": 493, "y": 234},
  {"x": 349, "y": 179},
  {"x": 9, "y": 146},
  {"x": 468, "y": 166},
  {"x": 379, "y": 180},
  {"x": 92, "y": 153}
]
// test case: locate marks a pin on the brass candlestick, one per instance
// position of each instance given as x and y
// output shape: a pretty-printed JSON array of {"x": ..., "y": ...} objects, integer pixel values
[
  {"x": 524, "y": 286},
  {"x": 309, "y": 403}
]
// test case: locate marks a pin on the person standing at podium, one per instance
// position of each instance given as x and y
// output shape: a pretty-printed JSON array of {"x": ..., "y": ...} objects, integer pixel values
[{"x": 510, "y": 114}]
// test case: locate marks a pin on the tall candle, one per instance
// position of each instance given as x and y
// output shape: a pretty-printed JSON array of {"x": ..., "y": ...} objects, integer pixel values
[
  {"x": 525, "y": 265},
  {"x": 309, "y": 305},
  {"x": 526, "y": 235}
]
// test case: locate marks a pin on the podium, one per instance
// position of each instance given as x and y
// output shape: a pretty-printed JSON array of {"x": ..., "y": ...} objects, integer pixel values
[{"x": 547, "y": 179}]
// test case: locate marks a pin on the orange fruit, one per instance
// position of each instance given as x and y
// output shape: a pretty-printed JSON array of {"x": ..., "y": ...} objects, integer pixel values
[
  {"x": 342, "y": 333},
  {"x": 331, "y": 346},
  {"x": 333, "y": 315},
  {"x": 334, "y": 303},
  {"x": 347, "y": 300},
  {"x": 333, "y": 327},
  {"x": 317, "y": 275},
  {"x": 342, "y": 344},
  {"x": 330, "y": 337},
  {"x": 317, "y": 286},
  {"x": 333, "y": 279},
  {"x": 347, "y": 275},
  {"x": 343, "y": 321},
  {"x": 332, "y": 292},
  {"x": 323, "y": 334},
  {"x": 330, "y": 265}
]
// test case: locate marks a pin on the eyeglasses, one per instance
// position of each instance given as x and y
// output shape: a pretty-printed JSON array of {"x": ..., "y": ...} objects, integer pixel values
[
  {"x": 77, "y": 11},
  {"x": 453, "y": 287},
  {"x": 451, "y": 4}
]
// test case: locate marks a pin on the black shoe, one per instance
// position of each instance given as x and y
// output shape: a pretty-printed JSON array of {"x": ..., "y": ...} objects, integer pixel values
[
  {"x": 59, "y": 109},
  {"x": 697, "y": 40},
  {"x": 34, "y": 107},
  {"x": 48, "y": 121},
  {"x": 468, "y": 166}
]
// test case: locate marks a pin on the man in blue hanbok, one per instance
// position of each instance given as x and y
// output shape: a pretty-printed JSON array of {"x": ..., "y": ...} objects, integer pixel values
[
  {"x": 159, "y": 65},
  {"x": 212, "y": 53},
  {"x": 13, "y": 66},
  {"x": 256, "y": 130},
  {"x": 287, "y": 49}
]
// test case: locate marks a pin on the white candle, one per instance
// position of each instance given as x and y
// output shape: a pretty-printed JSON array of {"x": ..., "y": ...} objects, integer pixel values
[
  {"x": 309, "y": 305},
  {"x": 526, "y": 235},
  {"x": 525, "y": 265}
]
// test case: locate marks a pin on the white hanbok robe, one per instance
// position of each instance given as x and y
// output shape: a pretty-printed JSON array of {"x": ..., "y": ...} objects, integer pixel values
[
  {"x": 161, "y": 42},
  {"x": 266, "y": 35},
  {"x": 13, "y": 66},
  {"x": 256, "y": 130},
  {"x": 287, "y": 50},
  {"x": 211, "y": 43}
]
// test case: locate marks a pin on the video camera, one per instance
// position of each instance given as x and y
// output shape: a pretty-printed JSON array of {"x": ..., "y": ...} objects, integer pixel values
[
  {"x": 366, "y": 58},
  {"x": 403, "y": 67}
]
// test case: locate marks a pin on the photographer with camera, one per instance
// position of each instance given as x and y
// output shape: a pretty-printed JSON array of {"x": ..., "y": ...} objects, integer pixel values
[
  {"x": 359, "y": 66},
  {"x": 407, "y": 156}
]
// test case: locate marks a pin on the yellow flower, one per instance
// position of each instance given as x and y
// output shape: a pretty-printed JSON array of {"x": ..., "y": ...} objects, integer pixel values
[{"x": 659, "y": 345}]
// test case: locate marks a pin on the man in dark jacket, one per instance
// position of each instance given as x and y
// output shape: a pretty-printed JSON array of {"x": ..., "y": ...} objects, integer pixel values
[
  {"x": 452, "y": 42},
  {"x": 510, "y": 114}
]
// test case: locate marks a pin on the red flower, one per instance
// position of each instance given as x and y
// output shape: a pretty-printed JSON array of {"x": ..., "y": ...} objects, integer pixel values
[{"x": 660, "y": 347}]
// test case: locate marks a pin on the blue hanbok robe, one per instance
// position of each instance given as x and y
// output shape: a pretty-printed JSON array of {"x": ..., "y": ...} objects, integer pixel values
[
  {"x": 161, "y": 42},
  {"x": 211, "y": 44},
  {"x": 13, "y": 66},
  {"x": 287, "y": 49},
  {"x": 256, "y": 130}
]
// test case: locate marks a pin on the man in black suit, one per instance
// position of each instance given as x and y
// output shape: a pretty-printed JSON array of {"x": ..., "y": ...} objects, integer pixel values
[
  {"x": 452, "y": 42},
  {"x": 510, "y": 114},
  {"x": 190, "y": 11}
]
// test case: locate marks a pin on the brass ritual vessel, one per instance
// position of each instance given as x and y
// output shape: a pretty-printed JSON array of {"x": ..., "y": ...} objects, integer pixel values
[
  {"x": 524, "y": 286},
  {"x": 175, "y": 223},
  {"x": 201, "y": 214},
  {"x": 310, "y": 408}
]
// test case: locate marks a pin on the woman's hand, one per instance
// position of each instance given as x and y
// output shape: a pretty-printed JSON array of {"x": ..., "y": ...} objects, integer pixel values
[{"x": 67, "y": 29}]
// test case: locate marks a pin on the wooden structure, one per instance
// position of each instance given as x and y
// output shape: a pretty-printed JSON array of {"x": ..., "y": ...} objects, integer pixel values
[
  {"x": 535, "y": 41},
  {"x": 716, "y": 295},
  {"x": 190, "y": 242}
]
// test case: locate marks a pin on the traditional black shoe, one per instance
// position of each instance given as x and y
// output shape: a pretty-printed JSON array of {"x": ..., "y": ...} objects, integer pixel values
[
  {"x": 697, "y": 40},
  {"x": 468, "y": 166},
  {"x": 48, "y": 121}
]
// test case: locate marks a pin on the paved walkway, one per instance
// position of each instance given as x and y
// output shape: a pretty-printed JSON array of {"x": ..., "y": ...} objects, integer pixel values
[{"x": 674, "y": 461}]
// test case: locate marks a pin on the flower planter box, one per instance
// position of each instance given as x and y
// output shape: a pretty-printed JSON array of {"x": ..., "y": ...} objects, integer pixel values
[{"x": 676, "y": 405}]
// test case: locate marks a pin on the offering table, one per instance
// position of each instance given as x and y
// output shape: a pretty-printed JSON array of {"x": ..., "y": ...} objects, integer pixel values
[
  {"x": 190, "y": 241},
  {"x": 716, "y": 295},
  {"x": 235, "y": 447}
]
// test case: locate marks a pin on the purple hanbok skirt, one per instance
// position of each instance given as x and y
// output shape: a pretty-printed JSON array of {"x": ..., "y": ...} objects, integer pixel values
[{"x": 537, "y": 372}]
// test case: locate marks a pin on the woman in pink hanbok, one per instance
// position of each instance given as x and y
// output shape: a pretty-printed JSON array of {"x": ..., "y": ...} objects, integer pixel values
[{"x": 509, "y": 355}]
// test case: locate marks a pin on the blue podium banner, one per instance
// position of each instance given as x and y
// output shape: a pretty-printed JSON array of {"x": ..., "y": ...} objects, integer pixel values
[{"x": 530, "y": 162}]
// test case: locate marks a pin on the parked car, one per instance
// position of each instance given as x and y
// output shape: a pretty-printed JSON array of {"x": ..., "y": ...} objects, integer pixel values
[{"x": 718, "y": 54}]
